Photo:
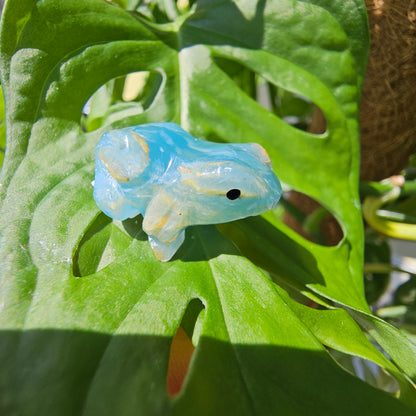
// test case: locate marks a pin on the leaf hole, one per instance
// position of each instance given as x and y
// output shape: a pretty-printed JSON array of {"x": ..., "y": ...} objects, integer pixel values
[
  {"x": 101, "y": 243},
  {"x": 120, "y": 97},
  {"x": 310, "y": 219},
  {"x": 183, "y": 346},
  {"x": 294, "y": 109}
]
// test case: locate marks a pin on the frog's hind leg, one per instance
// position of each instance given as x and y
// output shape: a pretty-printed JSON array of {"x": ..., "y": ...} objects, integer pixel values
[
  {"x": 110, "y": 197},
  {"x": 121, "y": 157},
  {"x": 165, "y": 251},
  {"x": 124, "y": 153}
]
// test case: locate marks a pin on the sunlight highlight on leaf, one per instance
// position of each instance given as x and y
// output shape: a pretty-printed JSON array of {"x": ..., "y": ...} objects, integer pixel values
[{"x": 87, "y": 312}]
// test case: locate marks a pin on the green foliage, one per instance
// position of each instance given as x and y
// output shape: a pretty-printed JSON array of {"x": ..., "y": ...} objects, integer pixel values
[
  {"x": 87, "y": 313},
  {"x": 389, "y": 207},
  {"x": 2, "y": 129}
]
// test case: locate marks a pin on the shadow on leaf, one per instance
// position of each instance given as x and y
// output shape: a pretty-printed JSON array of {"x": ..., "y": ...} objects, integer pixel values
[{"x": 67, "y": 372}]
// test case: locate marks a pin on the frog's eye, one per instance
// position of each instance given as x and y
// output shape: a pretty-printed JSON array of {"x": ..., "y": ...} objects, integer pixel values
[{"x": 233, "y": 194}]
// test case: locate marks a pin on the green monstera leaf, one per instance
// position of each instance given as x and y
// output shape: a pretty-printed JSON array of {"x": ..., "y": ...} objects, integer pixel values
[
  {"x": 87, "y": 314},
  {"x": 2, "y": 128}
]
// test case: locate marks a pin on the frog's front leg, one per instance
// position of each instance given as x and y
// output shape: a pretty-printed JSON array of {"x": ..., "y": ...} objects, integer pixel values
[
  {"x": 165, "y": 251},
  {"x": 164, "y": 223}
]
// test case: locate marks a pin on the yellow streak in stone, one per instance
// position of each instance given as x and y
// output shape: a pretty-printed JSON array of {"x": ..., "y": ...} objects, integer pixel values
[
  {"x": 115, "y": 205},
  {"x": 262, "y": 154},
  {"x": 184, "y": 170},
  {"x": 265, "y": 155},
  {"x": 161, "y": 222},
  {"x": 189, "y": 171},
  {"x": 171, "y": 240},
  {"x": 167, "y": 200},
  {"x": 216, "y": 192},
  {"x": 112, "y": 170},
  {"x": 158, "y": 254},
  {"x": 142, "y": 142}
]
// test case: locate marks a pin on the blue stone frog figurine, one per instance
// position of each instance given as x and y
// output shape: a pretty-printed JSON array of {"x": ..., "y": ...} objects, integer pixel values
[{"x": 175, "y": 180}]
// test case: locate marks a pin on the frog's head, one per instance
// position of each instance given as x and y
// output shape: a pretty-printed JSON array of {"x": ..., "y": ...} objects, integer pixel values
[{"x": 235, "y": 183}]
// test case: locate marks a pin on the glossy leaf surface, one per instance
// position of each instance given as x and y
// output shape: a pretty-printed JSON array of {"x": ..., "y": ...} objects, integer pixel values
[
  {"x": 87, "y": 312},
  {"x": 2, "y": 128}
]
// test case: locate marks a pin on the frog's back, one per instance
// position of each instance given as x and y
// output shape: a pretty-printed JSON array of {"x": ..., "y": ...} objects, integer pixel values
[
  {"x": 168, "y": 141},
  {"x": 175, "y": 180},
  {"x": 134, "y": 162}
]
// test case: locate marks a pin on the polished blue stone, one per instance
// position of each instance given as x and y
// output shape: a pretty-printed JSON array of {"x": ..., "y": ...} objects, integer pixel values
[{"x": 175, "y": 180}]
